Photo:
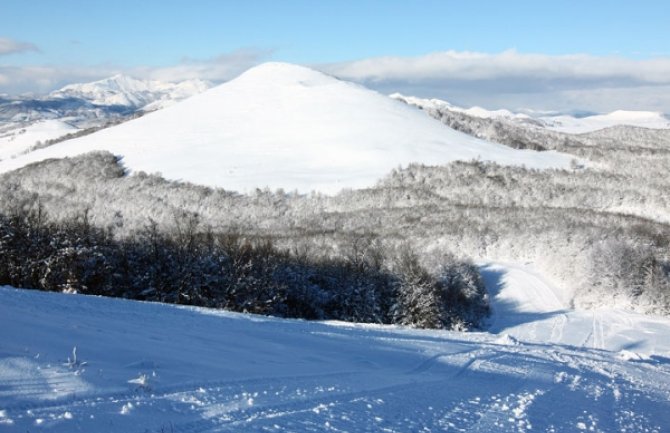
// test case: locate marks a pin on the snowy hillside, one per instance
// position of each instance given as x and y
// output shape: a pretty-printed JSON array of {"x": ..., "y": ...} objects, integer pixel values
[
  {"x": 130, "y": 92},
  {"x": 16, "y": 141},
  {"x": 286, "y": 126},
  {"x": 555, "y": 122},
  {"x": 76, "y": 363}
]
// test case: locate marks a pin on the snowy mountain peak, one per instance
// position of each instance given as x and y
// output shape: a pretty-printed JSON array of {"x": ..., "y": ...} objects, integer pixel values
[
  {"x": 272, "y": 74},
  {"x": 130, "y": 92},
  {"x": 288, "y": 71}
]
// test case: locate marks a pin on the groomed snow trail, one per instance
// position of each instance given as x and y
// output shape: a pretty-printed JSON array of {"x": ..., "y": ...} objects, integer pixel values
[
  {"x": 144, "y": 367},
  {"x": 528, "y": 308}
]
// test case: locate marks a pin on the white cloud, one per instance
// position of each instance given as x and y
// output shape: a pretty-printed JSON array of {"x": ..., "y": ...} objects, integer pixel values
[
  {"x": 217, "y": 69},
  {"x": 511, "y": 79},
  {"x": 10, "y": 46},
  {"x": 40, "y": 79},
  {"x": 472, "y": 66},
  {"x": 504, "y": 80}
]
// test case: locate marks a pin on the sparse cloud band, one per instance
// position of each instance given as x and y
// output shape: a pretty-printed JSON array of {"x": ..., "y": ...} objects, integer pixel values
[
  {"x": 513, "y": 80},
  {"x": 40, "y": 79},
  {"x": 10, "y": 46},
  {"x": 500, "y": 80}
]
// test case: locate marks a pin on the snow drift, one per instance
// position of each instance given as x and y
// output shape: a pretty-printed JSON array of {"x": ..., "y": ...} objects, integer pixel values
[{"x": 286, "y": 126}]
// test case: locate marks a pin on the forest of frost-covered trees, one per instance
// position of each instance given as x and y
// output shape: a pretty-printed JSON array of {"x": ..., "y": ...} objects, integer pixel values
[
  {"x": 601, "y": 231},
  {"x": 194, "y": 265}
]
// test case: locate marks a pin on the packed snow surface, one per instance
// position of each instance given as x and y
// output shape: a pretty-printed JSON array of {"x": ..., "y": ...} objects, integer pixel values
[
  {"x": 77, "y": 363},
  {"x": 286, "y": 126}
]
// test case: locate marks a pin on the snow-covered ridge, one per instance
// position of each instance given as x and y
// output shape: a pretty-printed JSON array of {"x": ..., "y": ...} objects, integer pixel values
[
  {"x": 480, "y": 112},
  {"x": 130, "y": 92},
  {"x": 287, "y": 126},
  {"x": 576, "y": 125},
  {"x": 556, "y": 122}
]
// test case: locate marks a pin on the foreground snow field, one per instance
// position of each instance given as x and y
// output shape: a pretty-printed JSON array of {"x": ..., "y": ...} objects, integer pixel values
[{"x": 141, "y": 367}]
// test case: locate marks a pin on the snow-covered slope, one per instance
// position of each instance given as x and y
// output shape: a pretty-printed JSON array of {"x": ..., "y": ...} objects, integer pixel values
[
  {"x": 17, "y": 141},
  {"x": 286, "y": 126},
  {"x": 130, "y": 92},
  {"x": 150, "y": 367},
  {"x": 531, "y": 309}
]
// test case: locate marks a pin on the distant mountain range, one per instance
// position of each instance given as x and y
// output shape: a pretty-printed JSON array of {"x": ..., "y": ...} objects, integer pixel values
[
  {"x": 83, "y": 104},
  {"x": 28, "y": 122},
  {"x": 571, "y": 123}
]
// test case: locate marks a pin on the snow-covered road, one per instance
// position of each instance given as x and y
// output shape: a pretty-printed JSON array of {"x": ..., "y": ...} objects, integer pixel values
[{"x": 144, "y": 367}]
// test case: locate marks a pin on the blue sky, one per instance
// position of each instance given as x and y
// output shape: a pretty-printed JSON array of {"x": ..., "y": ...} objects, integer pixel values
[{"x": 73, "y": 39}]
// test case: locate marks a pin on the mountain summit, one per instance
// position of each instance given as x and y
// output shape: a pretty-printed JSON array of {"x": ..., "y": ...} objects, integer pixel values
[{"x": 286, "y": 126}]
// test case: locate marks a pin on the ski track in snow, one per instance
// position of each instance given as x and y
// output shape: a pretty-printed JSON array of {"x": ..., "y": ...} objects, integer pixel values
[{"x": 145, "y": 367}]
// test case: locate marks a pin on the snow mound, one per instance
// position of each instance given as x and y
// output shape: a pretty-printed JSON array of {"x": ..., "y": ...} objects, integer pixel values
[
  {"x": 507, "y": 340},
  {"x": 286, "y": 126},
  {"x": 627, "y": 355}
]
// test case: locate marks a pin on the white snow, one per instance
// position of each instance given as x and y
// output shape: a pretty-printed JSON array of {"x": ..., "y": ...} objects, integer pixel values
[
  {"x": 285, "y": 126},
  {"x": 528, "y": 308},
  {"x": 212, "y": 371},
  {"x": 16, "y": 141}
]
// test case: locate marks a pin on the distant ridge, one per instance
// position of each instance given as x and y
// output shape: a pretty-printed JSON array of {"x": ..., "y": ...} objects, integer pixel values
[{"x": 572, "y": 123}]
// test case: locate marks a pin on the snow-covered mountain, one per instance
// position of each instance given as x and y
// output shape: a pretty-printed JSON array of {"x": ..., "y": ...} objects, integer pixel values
[
  {"x": 28, "y": 122},
  {"x": 287, "y": 126},
  {"x": 125, "y": 91},
  {"x": 560, "y": 122}
]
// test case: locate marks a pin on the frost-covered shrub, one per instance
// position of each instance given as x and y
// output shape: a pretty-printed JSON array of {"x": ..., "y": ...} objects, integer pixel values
[{"x": 629, "y": 273}]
